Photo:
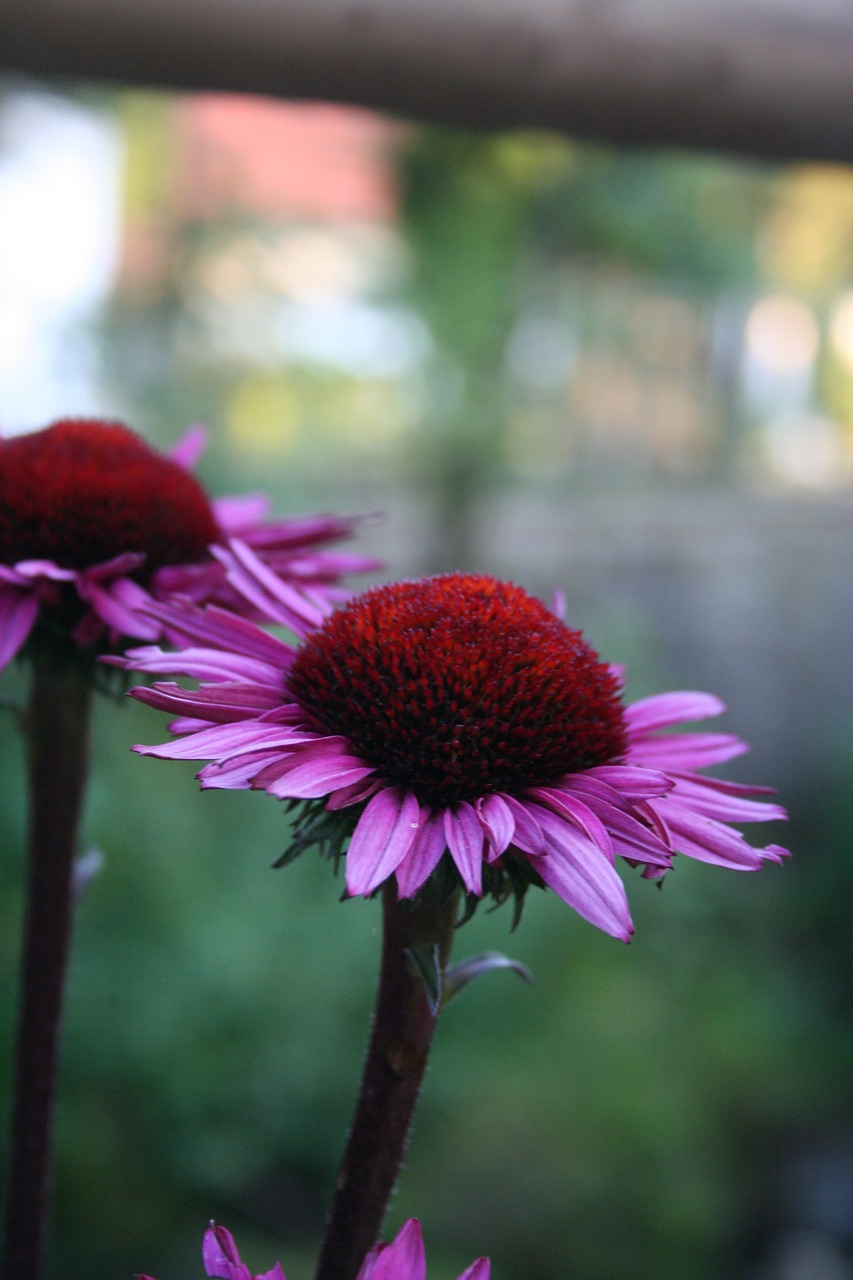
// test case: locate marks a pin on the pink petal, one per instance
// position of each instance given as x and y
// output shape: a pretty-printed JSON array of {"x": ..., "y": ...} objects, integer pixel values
[
  {"x": 497, "y": 822},
  {"x": 583, "y": 876},
  {"x": 118, "y": 567},
  {"x": 631, "y": 838},
  {"x": 479, "y": 1270},
  {"x": 220, "y": 1257},
  {"x": 665, "y": 709},
  {"x": 223, "y": 702},
  {"x": 632, "y": 783},
  {"x": 577, "y": 812},
  {"x": 464, "y": 837},
  {"x": 304, "y": 531},
  {"x": 403, "y": 1259},
  {"x": 116, "y": 607},
  {"x": 353, "y": 794},
  {"x": 236, "y": 774},
  {"x": 381, "y": 840},
  {"x": 18, "y": 613},
  {"x": 189, "y": 448},
  {"x": 272, "y": 595},
  {"x": 707, "y": 840},
  {"x": 200, "y": 664},
  {"x": 366, "y": 1269},
  {"x": 685, "y": 751},
  {"x": 316, "y": 778},
  {"x": 528, "y": 834},
  {"x": 236, "y": 515},
  {"x": 216, "y": 628},
  {"x": 707, "y": 796},
  {"x": 30, "y": 569},
  {"x": 226, "y": 741},
  {"x": 427, "y": 850}
]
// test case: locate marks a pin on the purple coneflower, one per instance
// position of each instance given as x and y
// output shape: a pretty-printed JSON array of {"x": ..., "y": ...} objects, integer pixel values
[
  {"x": 452, "y": 720},
  {"x": 94, "y": 523},
  {"x": 450, "y": 735},
  {"x": 92, "y": 518},
  {"x": 403, "y": 1259}
]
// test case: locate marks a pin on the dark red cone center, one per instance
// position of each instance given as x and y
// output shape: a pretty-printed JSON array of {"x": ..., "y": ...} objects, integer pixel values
[
  {"x": 459, "y": 686},
  {"x": 81, "y": 492}
]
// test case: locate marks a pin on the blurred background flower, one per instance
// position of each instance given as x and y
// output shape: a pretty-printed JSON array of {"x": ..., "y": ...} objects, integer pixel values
[{"x": 627, "y": 374}]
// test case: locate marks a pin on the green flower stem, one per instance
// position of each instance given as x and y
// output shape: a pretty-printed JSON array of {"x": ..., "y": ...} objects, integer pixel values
[
  {"x": 403, "y": 1025},
  {"x": 58, "y": 752}
]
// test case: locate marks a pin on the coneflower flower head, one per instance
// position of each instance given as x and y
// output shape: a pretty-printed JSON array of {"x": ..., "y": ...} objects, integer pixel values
[
  {"x": 94, "y": 522},
  {"x": 450, "y": 725},
  {"x": 459, "y": 686}
]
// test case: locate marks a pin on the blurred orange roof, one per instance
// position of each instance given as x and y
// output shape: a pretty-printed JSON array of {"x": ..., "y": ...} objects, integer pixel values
[{"x": 311, "y": 160}]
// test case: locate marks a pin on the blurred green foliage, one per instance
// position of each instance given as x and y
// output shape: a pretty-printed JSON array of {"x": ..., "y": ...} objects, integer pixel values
[{"x": 633, "y": 1113}]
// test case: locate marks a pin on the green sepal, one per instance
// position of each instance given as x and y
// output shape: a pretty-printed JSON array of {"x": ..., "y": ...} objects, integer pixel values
[
  {"x": 457, "y": 978},
  {"x": 316, "y": 826},
  {"x": 425, "y": 959}
]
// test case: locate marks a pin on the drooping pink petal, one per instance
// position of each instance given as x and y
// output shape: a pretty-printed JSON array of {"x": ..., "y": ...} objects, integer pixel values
[
  {"x": 527, "y": 835},
  {"x": 18, "y": 613},
  {"x": 725, "y": 801},
  {"x": 235, "y": 774},
  {"x": 216, "y": 628},
  {"x": 355, "y": 793},
  {"x": 272, "y": 595},
  {"x": 464, "y": 836},
  {"x": 384, "y": 835},
  {"x": 630, "y": 838},
  {"x": 583, "y": 876},
  {"x": 318, "y": 777},
  {"x": 425, "y": 854},
  {"x": 707, "y": 840},
  {"x": 577, "y": 812},
  {"x": 497, "y": 822},
  {"x": 118, "y": 607}
]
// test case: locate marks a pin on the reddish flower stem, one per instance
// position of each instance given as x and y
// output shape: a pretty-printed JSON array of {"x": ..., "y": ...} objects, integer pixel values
[
  {"x": 58, "y": 740},
  {"x": 403, "y": 1026}
]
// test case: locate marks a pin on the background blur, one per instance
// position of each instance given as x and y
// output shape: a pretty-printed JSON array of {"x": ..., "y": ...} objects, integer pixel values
[{"x": 628, "y": 375}]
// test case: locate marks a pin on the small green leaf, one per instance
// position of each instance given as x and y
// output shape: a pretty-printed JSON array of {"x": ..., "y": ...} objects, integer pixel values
[{"x": 457, "y": 978}]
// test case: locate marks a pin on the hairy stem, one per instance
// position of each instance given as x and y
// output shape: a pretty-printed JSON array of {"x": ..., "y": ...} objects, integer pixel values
[
  {"x": 397, "y": 1055},
  {"x": 58, "y": 741}
]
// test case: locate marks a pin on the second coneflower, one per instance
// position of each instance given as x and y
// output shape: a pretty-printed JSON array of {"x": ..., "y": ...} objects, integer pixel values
[
  {"x": 93, "y": 521},
  {"x": 95, "y": 524}
]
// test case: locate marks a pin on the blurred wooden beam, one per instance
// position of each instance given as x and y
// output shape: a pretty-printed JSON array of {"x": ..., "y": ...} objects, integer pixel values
[{"x": 769, "y": 78}]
